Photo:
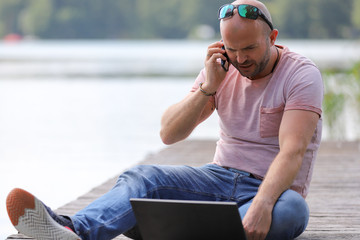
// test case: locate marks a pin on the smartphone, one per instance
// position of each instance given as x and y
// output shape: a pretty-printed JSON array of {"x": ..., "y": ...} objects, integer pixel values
[{"x": 225, "y": 64}]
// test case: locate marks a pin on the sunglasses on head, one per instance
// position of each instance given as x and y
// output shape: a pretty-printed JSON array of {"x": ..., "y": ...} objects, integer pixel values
[{"x": 245, "y": 11}]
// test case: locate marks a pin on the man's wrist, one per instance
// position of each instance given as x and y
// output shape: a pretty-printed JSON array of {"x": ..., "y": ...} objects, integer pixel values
[
  {"x": 265, "y": 201},
  {"x": 206, "y": 93}
]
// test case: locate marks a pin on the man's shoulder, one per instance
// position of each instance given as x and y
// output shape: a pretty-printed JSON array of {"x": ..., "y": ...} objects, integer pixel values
[
  {"x": 295, "y": 65},
  {"x": 295, "y": 59}
]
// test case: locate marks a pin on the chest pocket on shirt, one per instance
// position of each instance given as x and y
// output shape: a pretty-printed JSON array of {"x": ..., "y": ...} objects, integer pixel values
[{"x": 270, "y": 119}]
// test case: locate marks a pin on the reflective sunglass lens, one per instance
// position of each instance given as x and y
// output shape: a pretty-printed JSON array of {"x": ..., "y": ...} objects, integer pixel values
[
  {"x": 248, "y": 11},
  {"x": 226, "y": 11}
]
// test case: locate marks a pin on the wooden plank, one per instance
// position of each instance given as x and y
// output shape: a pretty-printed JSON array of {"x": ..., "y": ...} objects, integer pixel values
[{"x": 334, "y": 197}]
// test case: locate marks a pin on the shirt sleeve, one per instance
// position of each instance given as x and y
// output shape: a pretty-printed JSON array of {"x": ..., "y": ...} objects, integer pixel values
[
  {"x": 200, "y": 78},
  {"x": 306, "y": 90}
]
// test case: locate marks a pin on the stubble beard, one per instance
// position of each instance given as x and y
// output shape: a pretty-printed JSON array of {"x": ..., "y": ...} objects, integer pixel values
[{"x": 259, "y": 67}]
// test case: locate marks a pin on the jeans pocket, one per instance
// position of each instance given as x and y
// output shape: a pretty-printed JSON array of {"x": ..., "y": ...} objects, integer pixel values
[{"x": 270, "y": 119}]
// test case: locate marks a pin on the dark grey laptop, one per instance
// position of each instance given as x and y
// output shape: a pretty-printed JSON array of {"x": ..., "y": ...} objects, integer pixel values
[{"x": 187, "y": 220}]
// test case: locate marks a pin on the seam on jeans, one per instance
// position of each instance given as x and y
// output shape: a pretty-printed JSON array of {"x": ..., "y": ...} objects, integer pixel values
[
  {"x": 87, "y": 233},
  {"x": 237, "y": 175},
  {"x": 187, "y": 191},
  {"x": 237, "y": 178}
]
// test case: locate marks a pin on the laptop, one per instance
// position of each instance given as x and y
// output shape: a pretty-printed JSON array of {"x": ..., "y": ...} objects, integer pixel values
[{"x": 160, "y": 219}]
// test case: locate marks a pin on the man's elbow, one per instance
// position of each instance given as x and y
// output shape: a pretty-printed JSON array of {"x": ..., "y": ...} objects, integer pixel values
[
  {"x": 168, "y": 137},
  {"x": 165, "y": 138},
  {"x": 295, "y": 150}
]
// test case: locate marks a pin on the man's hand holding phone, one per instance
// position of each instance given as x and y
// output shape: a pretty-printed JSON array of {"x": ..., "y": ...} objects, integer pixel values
[
  {"x": 225, "y": 63},
  {"x": 216, "y": 65}
]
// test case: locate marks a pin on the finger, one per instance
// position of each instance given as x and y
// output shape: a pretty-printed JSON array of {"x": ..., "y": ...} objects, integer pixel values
[
  {"x": 216, "y": 57},
  {"x": 216, "y": 44},
  {"x": 215, "y": 52},
  {"x": 214, "y": 60}
]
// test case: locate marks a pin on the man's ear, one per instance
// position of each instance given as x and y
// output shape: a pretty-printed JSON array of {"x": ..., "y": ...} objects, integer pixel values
[{"x": 273, "y": 36}]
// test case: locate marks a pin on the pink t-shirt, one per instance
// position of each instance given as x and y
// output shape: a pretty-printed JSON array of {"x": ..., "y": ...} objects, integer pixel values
[{"x": 250, "y": 113}]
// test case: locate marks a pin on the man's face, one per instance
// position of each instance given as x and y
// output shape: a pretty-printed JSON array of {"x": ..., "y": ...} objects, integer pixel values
[
  {"x": 248, "y": 50},
  {"x": 250, "y": 62}
]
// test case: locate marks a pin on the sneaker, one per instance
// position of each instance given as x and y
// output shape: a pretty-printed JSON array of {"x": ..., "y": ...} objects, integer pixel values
[{"x": 31, "y": 218}]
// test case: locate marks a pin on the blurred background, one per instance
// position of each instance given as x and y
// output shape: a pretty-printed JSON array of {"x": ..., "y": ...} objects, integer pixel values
[{"x": 83, "y": 83}]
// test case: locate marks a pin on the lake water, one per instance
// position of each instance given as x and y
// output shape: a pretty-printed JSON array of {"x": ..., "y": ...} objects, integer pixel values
[{"x": 76, "y": 113}]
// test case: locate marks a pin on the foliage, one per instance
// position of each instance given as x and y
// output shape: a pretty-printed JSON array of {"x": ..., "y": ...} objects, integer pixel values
[
  {"x": 342, "y": 93},
  {"x": 168, "y": 19},
  {"x": 333, "y": 107}
]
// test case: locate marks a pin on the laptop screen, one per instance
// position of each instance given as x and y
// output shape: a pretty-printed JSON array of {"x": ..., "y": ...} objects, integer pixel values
[{"x": 187, "y": 220}]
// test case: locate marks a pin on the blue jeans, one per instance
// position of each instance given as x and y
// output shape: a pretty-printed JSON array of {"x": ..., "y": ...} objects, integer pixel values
[{"x": 111, "y": 214}]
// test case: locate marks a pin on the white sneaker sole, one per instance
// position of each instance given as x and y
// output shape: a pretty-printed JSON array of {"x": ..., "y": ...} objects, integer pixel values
[{"x": 29, "y": 217}]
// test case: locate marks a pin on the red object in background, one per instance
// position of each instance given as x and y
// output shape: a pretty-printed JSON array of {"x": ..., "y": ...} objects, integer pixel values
[{"x": 12, "y": 37}]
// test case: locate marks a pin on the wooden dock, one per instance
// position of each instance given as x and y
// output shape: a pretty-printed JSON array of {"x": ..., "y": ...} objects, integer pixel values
[{"x": 334, "y": 197}]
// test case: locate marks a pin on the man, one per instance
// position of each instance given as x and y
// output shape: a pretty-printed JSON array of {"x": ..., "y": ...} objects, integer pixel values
[{"x": 269, "y": 103}]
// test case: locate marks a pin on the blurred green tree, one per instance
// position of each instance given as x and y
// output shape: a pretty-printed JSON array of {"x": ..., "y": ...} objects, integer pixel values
[
  {"x": 34, "y": 19},
  {"x": 314, "y": 19},
  {"x": 9, "y": 14},
  {"x": 69, "y": 19},
  {"x": 355, "y": 17}
]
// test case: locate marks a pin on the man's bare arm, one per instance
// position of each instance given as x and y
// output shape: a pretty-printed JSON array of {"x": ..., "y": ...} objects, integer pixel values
[
  {"x": 296, "y": 130},
  {"x": 180, "y": 119}
]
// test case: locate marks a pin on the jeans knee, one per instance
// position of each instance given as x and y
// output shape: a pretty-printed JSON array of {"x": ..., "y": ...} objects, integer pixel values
[
  {"x": 138, "y": 178},
  {"x": 290, "y": 216},
  {"x": 139, "y": 174}
]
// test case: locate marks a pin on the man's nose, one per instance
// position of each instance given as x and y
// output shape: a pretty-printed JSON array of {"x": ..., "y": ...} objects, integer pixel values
[{"x": 241, "y": 58}]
